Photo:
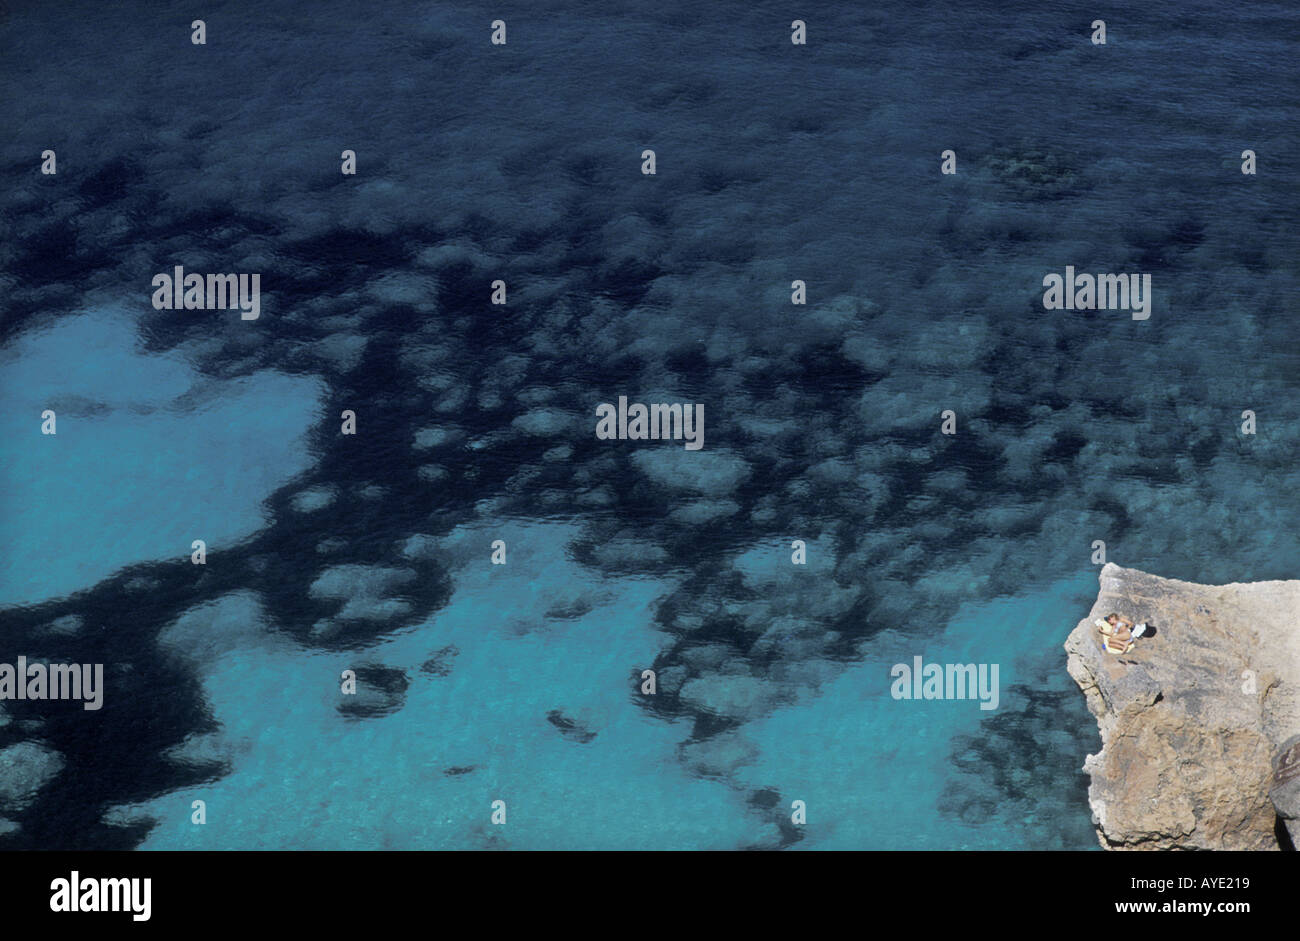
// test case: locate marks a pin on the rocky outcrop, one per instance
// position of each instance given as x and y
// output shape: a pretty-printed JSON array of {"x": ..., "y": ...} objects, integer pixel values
[{"x": 1199, "y": 723}]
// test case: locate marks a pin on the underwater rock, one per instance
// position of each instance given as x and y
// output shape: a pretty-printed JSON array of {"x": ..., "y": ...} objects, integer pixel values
[
  {"x": 719, "y": 755},
  {"x": 1034, "y": 173},
  {"x": 1194, "y": 719},
  {"x": 366, "y": 594},
  {"x": 380, "y": 692},
  {"x": 570, "y": 610},
  {"x": 67, "y": 626},
  {"x": 440, "y": 663},
  {"x": 313, "y": 498},
  {"x": 569, "y": 728},
  {"x": 739, "y": 696},
  {"x": 25, "y": 768}
]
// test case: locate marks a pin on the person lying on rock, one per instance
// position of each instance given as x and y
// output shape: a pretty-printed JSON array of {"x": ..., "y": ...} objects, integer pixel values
[{"x": 1118, "y": 635}]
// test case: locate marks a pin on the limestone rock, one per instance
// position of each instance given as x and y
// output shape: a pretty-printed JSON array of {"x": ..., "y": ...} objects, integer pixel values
[{"x": 1194, "y": 720}]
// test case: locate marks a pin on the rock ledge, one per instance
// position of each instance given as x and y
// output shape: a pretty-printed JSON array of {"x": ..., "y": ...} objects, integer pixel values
[{"x": 1200, "y": 724}]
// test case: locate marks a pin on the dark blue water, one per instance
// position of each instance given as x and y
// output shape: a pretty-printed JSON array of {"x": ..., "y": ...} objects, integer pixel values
[{"x": 372, "y": 552}]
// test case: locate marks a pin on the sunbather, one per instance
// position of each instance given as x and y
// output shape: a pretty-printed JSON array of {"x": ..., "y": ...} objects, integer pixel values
[{"x": 1118, "y": 635}]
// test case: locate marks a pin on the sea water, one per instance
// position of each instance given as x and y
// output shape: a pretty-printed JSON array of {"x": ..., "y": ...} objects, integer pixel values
[{"x": 522, "y": 682}]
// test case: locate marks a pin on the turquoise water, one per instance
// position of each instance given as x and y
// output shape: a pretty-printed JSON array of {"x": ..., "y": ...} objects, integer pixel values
[
  {"x": 867, "y": 766},
  {"x": 126, "y": 479}
]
